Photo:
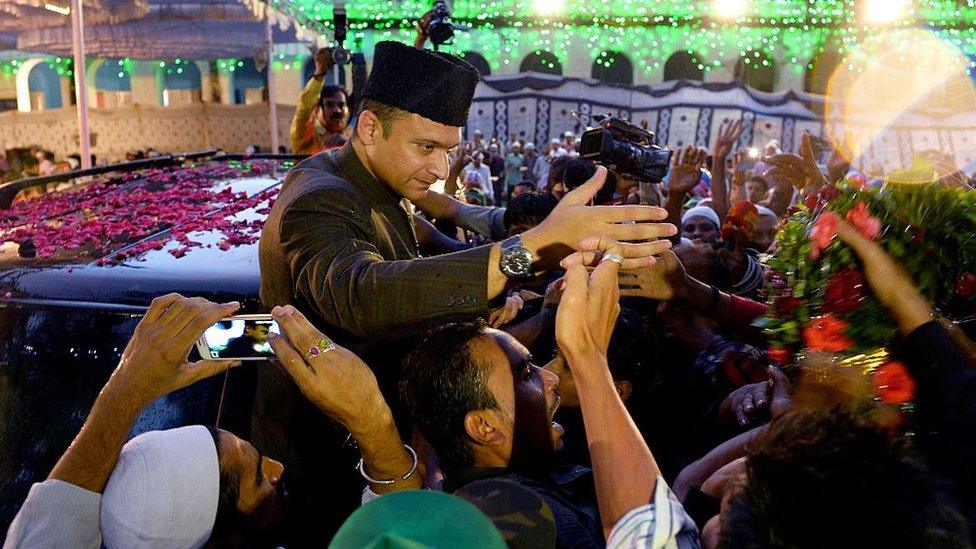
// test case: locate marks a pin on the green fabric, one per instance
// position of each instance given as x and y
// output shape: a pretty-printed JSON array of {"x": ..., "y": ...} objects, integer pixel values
[{"x": 413, "y": 519}]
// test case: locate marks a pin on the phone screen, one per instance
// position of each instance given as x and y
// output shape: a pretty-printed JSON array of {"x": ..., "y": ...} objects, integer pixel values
[{"x": 240, "y": 338}]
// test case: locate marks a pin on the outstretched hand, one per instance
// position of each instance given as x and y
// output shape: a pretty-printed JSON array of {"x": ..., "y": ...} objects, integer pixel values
[
  {"x": 728, "y": 135},
  {"x": 154, "y": 362},
  {"x": 336, "y": 381},
  {"x": 661, "y": 281},
  {"x": 686, "y": 170},
  {"x": 800, "y": 169},
  {"x": 573, "y": 221},
  {"x": 590, "y": 303}
]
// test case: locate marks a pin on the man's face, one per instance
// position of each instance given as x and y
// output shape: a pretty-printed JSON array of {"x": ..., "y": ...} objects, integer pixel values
[
  {"x": 334, "y": 112},
  {"x": 699, "y": 229},
  {"x": 513, "y": 376},
  {"x": 258, "y": 333},
  {"x": 413, "y": 155},
  {"x": 755, "y": 191},
  {"x": 765, "y": 233},
  {"x": 260, "y": 499},
  {"x": 519, "y": 190}
]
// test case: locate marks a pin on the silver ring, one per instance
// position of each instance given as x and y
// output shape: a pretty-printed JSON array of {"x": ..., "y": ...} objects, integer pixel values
[{"x": 616, "y": 258}]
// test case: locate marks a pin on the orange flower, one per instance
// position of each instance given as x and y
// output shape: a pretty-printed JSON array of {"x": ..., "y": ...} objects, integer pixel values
[
  {"x": 826, "y": 333},
  {"x": 893, "y": 383}
]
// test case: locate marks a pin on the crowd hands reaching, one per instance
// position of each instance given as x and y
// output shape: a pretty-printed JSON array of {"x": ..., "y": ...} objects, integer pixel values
[{"x": 654, "y": 417}]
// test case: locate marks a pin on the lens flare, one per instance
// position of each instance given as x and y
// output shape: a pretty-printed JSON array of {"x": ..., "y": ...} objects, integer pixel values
[{"x": 902, "y": 96}]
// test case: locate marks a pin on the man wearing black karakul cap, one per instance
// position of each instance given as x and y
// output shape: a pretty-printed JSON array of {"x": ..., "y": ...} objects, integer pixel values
[{"x": 339, "y": 245}]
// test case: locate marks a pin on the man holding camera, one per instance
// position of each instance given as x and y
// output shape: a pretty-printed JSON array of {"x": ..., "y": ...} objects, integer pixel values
[{"x": 323, "y": 111}]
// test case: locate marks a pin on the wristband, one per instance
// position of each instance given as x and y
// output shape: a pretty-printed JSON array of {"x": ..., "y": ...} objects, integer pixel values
[{"x": 409, "y": 473}]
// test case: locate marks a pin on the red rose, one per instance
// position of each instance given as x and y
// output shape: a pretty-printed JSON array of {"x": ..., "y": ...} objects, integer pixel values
[
  {"x": 844, "y": 292},
  {"x": 893, "y": 383},
  {"x": 826, "y": 333},
  {"x": 780, "y": 356},
  {"x": 787, "y": 304},
  {"x": 966, "y": 285}
]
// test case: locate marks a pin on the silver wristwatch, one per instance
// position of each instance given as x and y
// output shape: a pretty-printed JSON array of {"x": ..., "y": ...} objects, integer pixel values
[{"x": 516, "y": 259}]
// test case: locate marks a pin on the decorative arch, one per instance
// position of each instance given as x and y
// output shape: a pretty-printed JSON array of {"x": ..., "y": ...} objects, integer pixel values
[
  {"x": 478, "y": 61},
  {"x": 113, "y": 75},
  {"x": 246, "y": 76},
  {"x": 613, "y": 67},
  {"x": 541, "y": 61},
  {"x": 39, "y": 77},
  {"x": 820, "y": 69},
  {"x": 758, "y": 70},
  {"x": 684, "y": 65}
]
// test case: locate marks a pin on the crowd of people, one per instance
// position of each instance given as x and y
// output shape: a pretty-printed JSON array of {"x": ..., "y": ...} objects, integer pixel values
[{"x": 570, "y": 355}]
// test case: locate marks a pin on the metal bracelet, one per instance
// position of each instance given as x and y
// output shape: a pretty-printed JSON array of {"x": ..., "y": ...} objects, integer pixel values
[{"x": 410, "y": 473}]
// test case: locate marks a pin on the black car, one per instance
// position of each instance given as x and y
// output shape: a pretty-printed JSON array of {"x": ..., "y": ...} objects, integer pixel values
[{"x": 79, "y": 265}]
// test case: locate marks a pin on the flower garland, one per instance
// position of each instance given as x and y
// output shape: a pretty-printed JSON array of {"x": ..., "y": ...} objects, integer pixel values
[
  {"x": 130, "y": 208},
  {"x": 819, "y": 300}
]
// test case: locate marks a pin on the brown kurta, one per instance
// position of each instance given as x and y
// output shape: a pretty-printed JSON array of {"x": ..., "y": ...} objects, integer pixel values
[{"x": 340, "y": 246}]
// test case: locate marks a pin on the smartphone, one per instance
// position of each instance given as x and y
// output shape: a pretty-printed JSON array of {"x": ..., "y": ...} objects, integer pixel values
[{"x": 240, "y": 337}]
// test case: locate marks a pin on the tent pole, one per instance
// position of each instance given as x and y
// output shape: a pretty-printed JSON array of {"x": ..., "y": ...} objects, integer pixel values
[
  {"x": 81, "y": 89},
  {"x": 272, "y": 105}
]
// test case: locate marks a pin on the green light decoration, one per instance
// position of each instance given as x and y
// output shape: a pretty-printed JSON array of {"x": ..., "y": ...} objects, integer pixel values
[{"x": 647, "y": 31}]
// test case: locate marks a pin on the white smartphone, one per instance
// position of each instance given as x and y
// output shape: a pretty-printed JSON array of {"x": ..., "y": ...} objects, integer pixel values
[{"x": 240, "y": 337}]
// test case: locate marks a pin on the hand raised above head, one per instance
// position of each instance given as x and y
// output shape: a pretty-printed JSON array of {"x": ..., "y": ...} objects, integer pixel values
[{"x": 590, "y": 303}]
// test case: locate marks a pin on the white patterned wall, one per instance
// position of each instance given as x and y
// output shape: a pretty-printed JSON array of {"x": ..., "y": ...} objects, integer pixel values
[{"x": 172, "y": 129}]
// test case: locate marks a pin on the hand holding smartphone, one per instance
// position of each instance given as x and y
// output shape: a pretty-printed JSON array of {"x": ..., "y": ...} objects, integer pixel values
[{"x": 239, "y": 337}]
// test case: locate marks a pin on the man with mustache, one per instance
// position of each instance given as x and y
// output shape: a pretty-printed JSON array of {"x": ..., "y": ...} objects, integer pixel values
[{"x": 323, "y": 111}]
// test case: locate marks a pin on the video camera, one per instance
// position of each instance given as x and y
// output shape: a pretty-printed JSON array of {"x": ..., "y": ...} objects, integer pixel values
[
  {"x": 440, "y": 28},
  {"x": 628, "y": 149}
]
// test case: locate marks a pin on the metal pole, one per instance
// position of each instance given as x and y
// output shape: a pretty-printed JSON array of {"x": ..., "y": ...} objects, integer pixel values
[
  {"x": 273, "y": 107},
  {"x": 81, "y": 89}
]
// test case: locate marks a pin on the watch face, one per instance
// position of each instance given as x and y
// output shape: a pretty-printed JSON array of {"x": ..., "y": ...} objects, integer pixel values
[{"x": 517, "y": 262}]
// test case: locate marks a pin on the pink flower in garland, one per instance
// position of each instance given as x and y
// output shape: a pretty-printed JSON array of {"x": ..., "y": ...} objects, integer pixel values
[
  {"x": 823, "y": 233},
  {"x": 863, "y": 221}
]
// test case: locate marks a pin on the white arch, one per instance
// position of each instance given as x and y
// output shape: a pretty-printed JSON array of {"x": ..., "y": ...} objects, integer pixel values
[{"x": 23, "y": 83}]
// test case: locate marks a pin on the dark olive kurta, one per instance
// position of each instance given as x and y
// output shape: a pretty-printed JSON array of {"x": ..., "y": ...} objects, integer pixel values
[{"x": 340, "y": 246}]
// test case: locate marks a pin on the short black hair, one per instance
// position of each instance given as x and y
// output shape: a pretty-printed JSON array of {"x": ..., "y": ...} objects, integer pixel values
[
  {"x": 578, "y": 171},
  {"x": 227, "y": 522},
  {"x": 528, "y": 209},
  {"x": 330, "y": 90},
  {"x": 557, "y": 170},
  {"x": 441, "y": 382},
  {"x": 385, "y": 113},
  {"x": 822, "y": 478}
]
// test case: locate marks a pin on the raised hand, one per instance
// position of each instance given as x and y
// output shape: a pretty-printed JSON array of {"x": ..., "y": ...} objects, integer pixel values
[
  {"x": 686, "y": 170},
  {"x": 661, "y": 281},
  {"x": 728, "y": 135},
  {"x": 334, "y": 379},
  {"x": 323, "y": 61},
  {"x": 590, "y": 303},
  {"x": 154, "y": 362},
  {"x": 572, "y": 222},
  {"x": 800, "y": 169}
]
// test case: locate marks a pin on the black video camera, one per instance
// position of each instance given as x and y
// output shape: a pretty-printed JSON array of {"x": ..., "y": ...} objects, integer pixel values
[
  {"x": 628, "y": 149},
  {"x": 440, "y": 28}
]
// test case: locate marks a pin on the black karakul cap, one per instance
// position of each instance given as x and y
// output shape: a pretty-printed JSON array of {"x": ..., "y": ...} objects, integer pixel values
[{"x": 435, "y": 85}]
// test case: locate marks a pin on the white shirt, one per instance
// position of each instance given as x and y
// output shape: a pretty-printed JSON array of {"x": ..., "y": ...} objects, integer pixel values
[
  {"x": 56, "y": 514},
  {"x": 485, "y": 174}
]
